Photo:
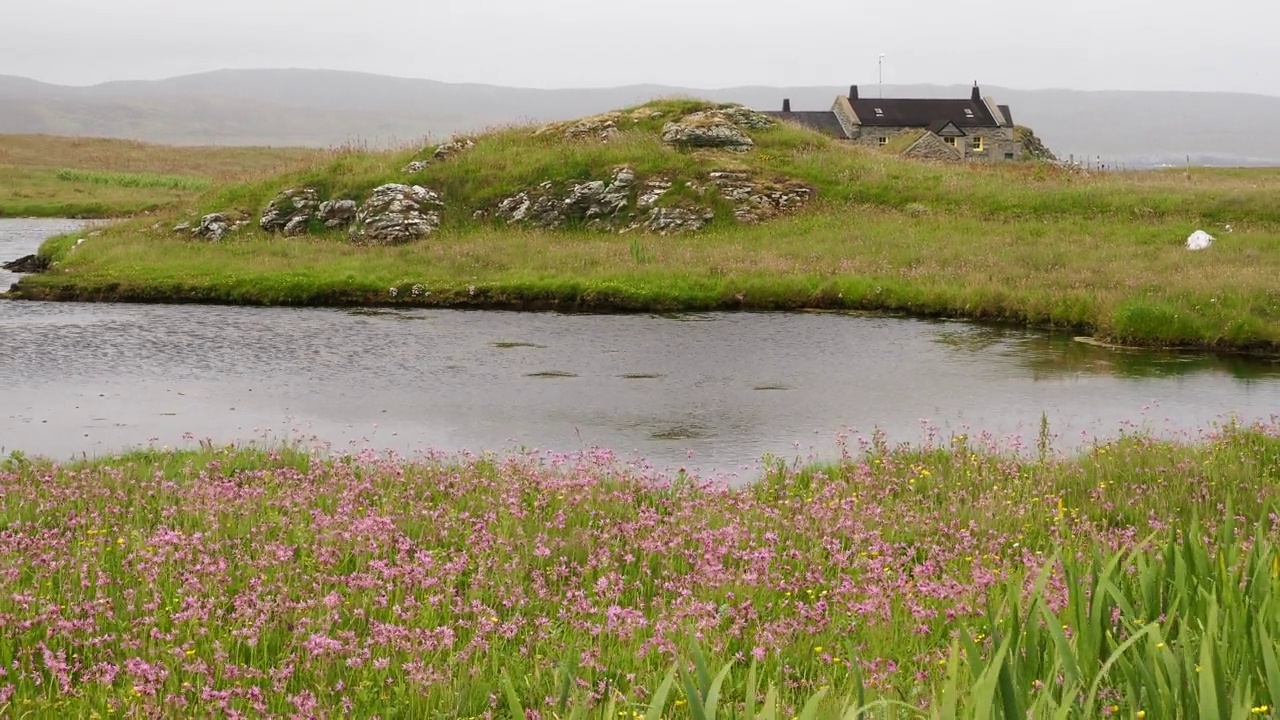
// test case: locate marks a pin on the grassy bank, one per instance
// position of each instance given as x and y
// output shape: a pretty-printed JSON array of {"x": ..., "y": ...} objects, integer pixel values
[
  {"x": 1029, "y": 243},
  {"x": 231, "y": 580},
  {"x": 49, "y": 176}
]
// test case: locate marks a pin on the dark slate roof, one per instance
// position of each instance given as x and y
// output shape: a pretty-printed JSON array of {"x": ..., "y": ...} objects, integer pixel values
[
  {"x": 824, "y": 121},
  {"x": 896, "y": 112}
]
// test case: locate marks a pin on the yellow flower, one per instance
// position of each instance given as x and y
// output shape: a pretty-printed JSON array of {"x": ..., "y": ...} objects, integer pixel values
[
  {"x": 1261, "y": 709},
  {"x": 818, "y": 649},
  {"x": 191, "y": 653},
  {"x": 1141, "y": 714}
]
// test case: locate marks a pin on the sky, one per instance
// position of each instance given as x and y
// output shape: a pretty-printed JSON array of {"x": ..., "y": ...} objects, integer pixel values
[{"x": 1029, "y": 44}]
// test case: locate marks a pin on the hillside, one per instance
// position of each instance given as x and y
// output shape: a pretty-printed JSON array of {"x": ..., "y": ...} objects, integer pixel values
[
  {"x": 326, "y": 108},
  {"x": 687, "y": 206}
]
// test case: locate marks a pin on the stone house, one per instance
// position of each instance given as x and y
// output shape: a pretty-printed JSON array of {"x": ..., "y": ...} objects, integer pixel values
[{"x": 973, "y": 129}]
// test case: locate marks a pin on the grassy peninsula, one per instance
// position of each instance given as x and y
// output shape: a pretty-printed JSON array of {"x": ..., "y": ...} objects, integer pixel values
[
  {"x": 1031, "y": 243},
  {"x": 963, "y": 579},
  {"x": 50, "y": 176}
]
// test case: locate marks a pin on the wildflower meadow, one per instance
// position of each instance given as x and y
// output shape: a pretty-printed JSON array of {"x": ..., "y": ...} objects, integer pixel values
[{"x": 954, "y": 578}]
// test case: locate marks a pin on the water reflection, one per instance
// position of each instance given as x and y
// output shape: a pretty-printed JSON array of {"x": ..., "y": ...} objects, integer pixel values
[{"x": 1056, "y": 355}]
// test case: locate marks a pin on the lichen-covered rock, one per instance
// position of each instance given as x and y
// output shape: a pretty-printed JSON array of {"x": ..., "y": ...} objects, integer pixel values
[
  {"x": 453, "y": 147},
  {"x": 651, "y": 192},
  {"x": 415, "y": 167},
  {"x": 706, "y": 130},
  {"x": 212, "y": 227},
  {"x": 598, "y": 203},
  {"x": 397, "y": 214},
  {"x": 337, "y": 213},
  {"x": 756, "y": 200},
  {"x": 290, "y": 211},
  {"x": 674, "y": 220}
]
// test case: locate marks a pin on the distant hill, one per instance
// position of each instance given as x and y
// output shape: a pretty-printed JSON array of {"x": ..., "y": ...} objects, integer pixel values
[{"x": 325, "y": 108}]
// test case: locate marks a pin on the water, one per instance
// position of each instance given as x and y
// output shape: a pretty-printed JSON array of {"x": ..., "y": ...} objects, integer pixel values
[{"x": 711, "y": 392}]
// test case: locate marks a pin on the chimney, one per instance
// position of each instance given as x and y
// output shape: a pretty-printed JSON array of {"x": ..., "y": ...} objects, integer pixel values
[
  {"x": 853, "y": 92},
  {"x": 786, "y": 105},
  {"x": 977, "y": 94}
]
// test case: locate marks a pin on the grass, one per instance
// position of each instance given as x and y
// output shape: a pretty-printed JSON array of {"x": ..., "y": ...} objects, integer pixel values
[
  {"x": 50, "y": 176},
  {"x": 230, "y": 580},
  {"x": 1029, "y": 243}
]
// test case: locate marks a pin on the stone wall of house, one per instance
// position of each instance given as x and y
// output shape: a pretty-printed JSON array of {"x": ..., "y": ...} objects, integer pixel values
[
  {"x": 932, "y": 147},
  {"x": 997, "y": 142},
  {"x": 847, "y": 117}
]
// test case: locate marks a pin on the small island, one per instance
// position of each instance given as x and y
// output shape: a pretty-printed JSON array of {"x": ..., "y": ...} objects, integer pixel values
[{"x": 685, "y": 205}]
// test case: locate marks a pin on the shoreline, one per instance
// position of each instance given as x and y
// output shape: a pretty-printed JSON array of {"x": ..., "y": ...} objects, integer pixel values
[{"x": 618, "y": 302}]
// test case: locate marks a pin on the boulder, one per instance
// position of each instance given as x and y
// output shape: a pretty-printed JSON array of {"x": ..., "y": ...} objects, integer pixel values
[
  {"x": 706, "y": 130},
  {"x": 291, "y": 211},
  {"x": 337, "y": 213},
  {"x": 397, "y": 214},
  {"x": 212, "y": 227},
  {"x": 27, "y": 264},
  {"x": 453, "y": 147},
  {"x": 416, "y": 166}
]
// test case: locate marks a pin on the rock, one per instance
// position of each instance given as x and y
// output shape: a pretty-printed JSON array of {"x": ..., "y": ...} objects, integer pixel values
[
  {"x": 416, "y": 166},
  {"x": 673, "y": 220},
  {"x": 757, "y": 200},
  {"x": 291, "y": 211},
  {"x": 397, "y": 214},
  {"x": 598, "y": 203},
  {"x": 651, "y": 192},
  {"x": 1199, "y": 240},
  {"x": 745, "y": 117},
  {"x": 182, "y": 227},
  {"x": 337, "y": 213},
  {"x": 453, "y": 147},
  {"x": 706, "y": 130},
  {"x": 212, "y": 227},
  {"x": 27, "y": 264}
]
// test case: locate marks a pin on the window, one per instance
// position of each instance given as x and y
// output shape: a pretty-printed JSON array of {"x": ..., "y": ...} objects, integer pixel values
[
  {"x": 968, "y": 113},
  {"x": 950, "y": 141},
  {"x": 979, "y": 145},
  {"x": 883, "y": 140},
  {"x": 879, "y": 112},
  {"x": 1008, "y": 156}
]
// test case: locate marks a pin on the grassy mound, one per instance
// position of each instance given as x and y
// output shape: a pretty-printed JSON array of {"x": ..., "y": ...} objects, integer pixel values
[{"x": 1030, "y": 242}]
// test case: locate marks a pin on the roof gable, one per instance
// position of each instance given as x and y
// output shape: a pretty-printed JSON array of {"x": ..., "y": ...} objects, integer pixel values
[
  {"x": 912, "y": 112},
  {"x": 945, "y": 128}
]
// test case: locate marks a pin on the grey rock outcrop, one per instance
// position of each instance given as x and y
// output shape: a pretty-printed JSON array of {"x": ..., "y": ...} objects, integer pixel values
[
  {"x": 704, "y": 131},
  {"x": 453, "y": 147},
  {"x": 674, "y": 220},
  {"x": 212, "y": 227},
  {"x": 756, "y": 200},
  {"x": 337, "y": 213},
  {"x": 397, "y": 214},
  {"x": 598, "y": 203},
  {"x": 719, "y": 128},
  {"x": 290, "y": 212},
  {"x": 416, "y": 166}
]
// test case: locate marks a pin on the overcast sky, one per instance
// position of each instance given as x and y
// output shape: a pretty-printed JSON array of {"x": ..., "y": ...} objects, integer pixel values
[{"x": 1083, "y": 44}]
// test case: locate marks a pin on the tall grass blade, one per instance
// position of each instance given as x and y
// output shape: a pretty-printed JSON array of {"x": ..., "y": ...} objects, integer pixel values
[{"x": 659, "y": 702}]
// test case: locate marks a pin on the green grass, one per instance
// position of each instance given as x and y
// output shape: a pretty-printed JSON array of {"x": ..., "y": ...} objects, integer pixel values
[{"x": 1026, "y": 242}]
